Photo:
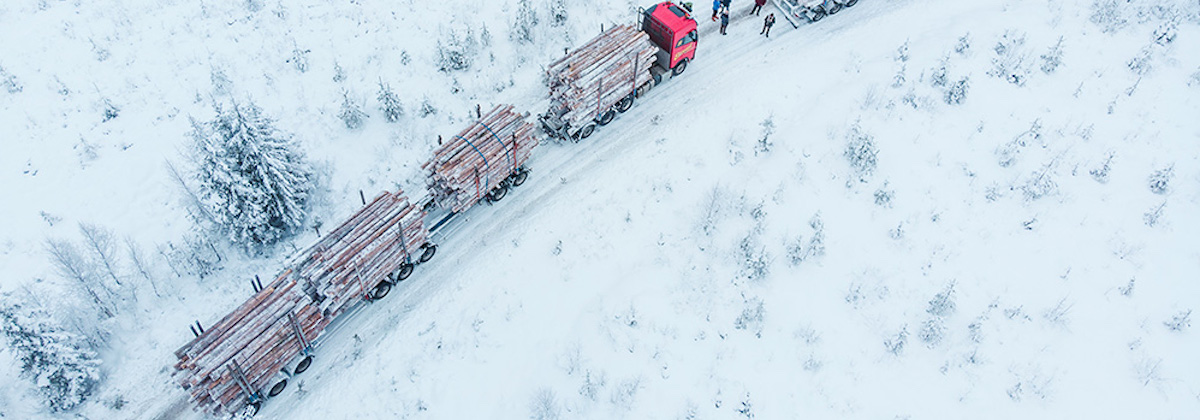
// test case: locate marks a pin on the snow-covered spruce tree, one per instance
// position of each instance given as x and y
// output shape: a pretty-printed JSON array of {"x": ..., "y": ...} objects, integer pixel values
[
  {"x": 456, "y": 49},
  {"x": 351, "y": 114},
  {"x": 254, "y": 180},
  {"x": 389, "y": 103},
  {"x": 522, "y": 26},
  {"x": 63, "y": 366}
]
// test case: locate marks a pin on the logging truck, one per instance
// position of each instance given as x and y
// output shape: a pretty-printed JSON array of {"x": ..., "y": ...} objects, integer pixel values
[
  {"x": 797, "y": 11},
  {"x": 593, "y": 83}
]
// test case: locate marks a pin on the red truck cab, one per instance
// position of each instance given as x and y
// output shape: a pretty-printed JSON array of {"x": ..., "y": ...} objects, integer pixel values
[{"x": 672, "y": 28}]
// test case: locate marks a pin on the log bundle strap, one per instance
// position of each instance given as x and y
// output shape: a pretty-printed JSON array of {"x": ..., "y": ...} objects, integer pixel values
[
  {"x": 241, "y": 353},
  {"x": 480, "y": 158}
]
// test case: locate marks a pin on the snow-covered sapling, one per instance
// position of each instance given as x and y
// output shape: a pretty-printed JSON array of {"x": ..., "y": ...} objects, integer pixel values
[
  {"x": 9, "y": 82},
  {"x": 427, "y": 108},
  {"x": 526, "y": 20},
  {"x": 299, "y": 59},
  {"x": 544, "y": 406},
  {"x": 1053, "y": 58},
  {"x": 751, "y": 318},
  {"x": 1100, "y": 174},
  {"x": 254, "y": 180},
  {"x": 1160, "y": 180},
  {"x": 883, "y": 196},
  {"x": 1154, "y": 214},
  {"x": 942, "y": 304},
  {"x": 963, "y": 46},
  {"x": 339, "y": 74},
  {"x": 956, "y": 92},
  {"x": 99, "y": 241},
  {"x": 558, "y": 13},
  {"x": 1166, "y": 32},
  {"x": 1141, "y": 63},
  {"x": 389, "y": 103},
  {"x": 62, "y": 365},
  {"x": 895, "y": 344},
  {"x": 110, "y": 111},
  {"x": 351, "y": 114},
  {"x": 764, "y": 144},
  {"x": 456, "y": 49},
  {"x": 932, "y": 331},
  {"x": 1107, "y": 15}
]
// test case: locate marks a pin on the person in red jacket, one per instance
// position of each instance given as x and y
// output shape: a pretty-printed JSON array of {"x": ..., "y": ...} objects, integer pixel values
[{"x": 758, "y": 4}]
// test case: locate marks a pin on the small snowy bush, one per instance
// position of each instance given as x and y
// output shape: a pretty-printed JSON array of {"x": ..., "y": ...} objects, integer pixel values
[
  {"x": 751, "y": 318},
  {"x": 544, "y": 406},
  {"x": 964, "y": 45},
  {"x": 1141, "y": 63},
  {"x": 1052, "y": 58},
  {"x": 427, "y": 108},
  {"x": 764, "y": 144},
  {"x": 254, "y": 180},
  {"x": 800, "y": 251},
  {"x": 1151, "y": 217},
  {"x": 932, "y": 331},
  {"x": 1107, "y": 14},
  {"x": 1166, "y": 33},
  {"x": 956, "y": 93},
  {"x": 883, "y": 196},
  {"x": 861, "y": 152},
  {"x": 351, "y": 114},
  {"x": 1100, "y": 174},
  {"x": 1040, "y": 184},
  {"x": 942, "y": 304},
  {"x": 895, "y": 344},
  {"x": 1180, "y": 321},
  {"x": 9, "y": 82},
  {"x": 299, "y": 59},
  {"x": 1011, "y": 62},
  {"x": 1160, "y": 180}
]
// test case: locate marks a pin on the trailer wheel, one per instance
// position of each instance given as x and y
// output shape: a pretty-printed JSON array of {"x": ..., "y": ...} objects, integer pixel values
[
  {"x": 817, "y": 15},
  {"x": 249, "y": 410},
  {"x": 403, "y": 272},
  {"x": 519, "y": 178},
  {"x": 430, "y": 250},
  {"x": 606, "y": 117},
  {"x": 625, "y": 104},
  {"x": 586, "y": 131},
  {"x": 379, "y": 292},
  {"x": 679, "y": 68},
  {"x": 498, "y": 193},
  {"x": 835, "y": 8},
  {"x": 277, "y": 388},
  {"x": 304, "y": 364},
  {"x": 851, "y": 3}
]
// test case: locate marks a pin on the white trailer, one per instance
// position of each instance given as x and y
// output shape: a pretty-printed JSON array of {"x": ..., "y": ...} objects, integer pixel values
[{"x": 796, "y": 11}]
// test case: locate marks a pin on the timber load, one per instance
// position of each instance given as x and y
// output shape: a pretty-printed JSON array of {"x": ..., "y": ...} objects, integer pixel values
[
  {"x": 481, "y": 159},
  {"x": 593, "y": 78},
  {"x": 227, "y": 364}
]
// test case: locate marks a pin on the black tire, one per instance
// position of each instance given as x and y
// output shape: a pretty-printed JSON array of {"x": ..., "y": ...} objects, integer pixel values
[
  {"x": 606, "y": 117},
  {"x": 625, "y": 104},
  {"x": 498, "y": 193},
  {"x": 836, "y": 8},
  {"x": 278, "y": 388},
  {"x": 850, "y": 3},
  {"x": 679, "y": 68},
  {"x": 403, "y": 272},
  {"x": 586, "y": 131},
  {"x": 430, "y": 250},
  {"x": 657, "y": 79},
  {"x": 251, "y": 409},
  {"x": 381, "y": 290},
  {"x": 304, "y": 364},
  {"x": 519, "y": 178},
  {"x": 817, "y": 16}
]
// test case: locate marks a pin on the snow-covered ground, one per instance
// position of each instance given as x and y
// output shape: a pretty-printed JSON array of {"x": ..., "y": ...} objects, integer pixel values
[{"x": 892, "y": 249}]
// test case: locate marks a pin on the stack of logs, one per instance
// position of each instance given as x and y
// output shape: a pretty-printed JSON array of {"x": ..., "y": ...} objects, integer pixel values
[
  {"x": 594, "y": 77},
  {"x": 246, "y": 348},
  {"x": 471, "y": 164}
]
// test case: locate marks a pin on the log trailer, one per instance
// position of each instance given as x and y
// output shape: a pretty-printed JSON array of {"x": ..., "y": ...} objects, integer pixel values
[
  {"x": 594, "y": 83},
  {"x": 250, "y": 354}
]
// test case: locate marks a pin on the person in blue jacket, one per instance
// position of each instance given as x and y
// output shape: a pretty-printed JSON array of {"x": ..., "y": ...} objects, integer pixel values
[
  {"x": 724, "y": 19},
  {"x": 716, "y": 8}
]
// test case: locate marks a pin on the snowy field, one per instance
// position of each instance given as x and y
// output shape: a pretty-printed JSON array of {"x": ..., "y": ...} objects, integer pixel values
[{"x": 913, "y": 209}]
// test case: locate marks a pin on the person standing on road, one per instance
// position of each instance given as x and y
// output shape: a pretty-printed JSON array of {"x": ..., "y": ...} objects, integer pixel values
[
  {"x": 716, "y": 8},
  {"x": 724, "y": 19},
  {"x": 758, "y": 4},
  {"x": 767, "y": 24}
]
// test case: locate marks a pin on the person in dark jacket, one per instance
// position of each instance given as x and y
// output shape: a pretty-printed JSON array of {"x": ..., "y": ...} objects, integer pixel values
[
  {"x": 758, "y": 4},
  {"x": 726, "y": 3},
  {"x": 767, "y": 24},
  {"x": 716, "y": 8},
  {"x": 724, "y": 19}
]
